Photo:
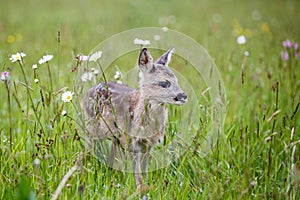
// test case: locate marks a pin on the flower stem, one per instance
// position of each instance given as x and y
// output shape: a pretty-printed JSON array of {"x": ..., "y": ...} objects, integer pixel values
[
  {"x": 50, "y": 77},
  {"x": 30, "y": 97},
  {"x": 9, "y": 113}
]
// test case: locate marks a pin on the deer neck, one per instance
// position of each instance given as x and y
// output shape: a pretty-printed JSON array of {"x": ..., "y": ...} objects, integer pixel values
[{"x": 146, "y": 108}]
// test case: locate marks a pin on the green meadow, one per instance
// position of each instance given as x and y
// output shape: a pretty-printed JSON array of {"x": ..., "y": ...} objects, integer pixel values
[{"x": 254, "y": 45}]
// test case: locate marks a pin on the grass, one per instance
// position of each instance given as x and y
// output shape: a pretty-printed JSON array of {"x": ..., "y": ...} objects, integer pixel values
[{"x": 257, "y": 155}]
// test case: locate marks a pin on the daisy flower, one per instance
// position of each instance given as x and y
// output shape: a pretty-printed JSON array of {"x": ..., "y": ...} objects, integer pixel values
[
  {"x": 17, "y": 57},
  {"x": 45, "y": 58},
  {"x": 95, "y": 56},
  {"x": 4, "y": 76},
  {"x": 67, "y": 96},
  {"x": 141, "y": 42}
]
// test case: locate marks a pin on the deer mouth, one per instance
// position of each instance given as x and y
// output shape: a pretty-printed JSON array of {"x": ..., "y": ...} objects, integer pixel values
[
  {"x": 180, "y": 99},
  {"x": 180, "y": 102}
]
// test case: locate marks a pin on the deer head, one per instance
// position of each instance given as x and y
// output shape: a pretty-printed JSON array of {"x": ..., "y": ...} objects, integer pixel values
[{"x": 158, "y": 83}]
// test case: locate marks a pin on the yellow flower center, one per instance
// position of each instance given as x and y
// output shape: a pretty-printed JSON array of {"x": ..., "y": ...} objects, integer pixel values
[{"x": 68, "y": 98}]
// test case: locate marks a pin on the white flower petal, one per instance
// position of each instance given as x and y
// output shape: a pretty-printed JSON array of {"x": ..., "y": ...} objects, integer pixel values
[
  {"x": 95, "y": 56},
  {"x": 141, "y": 42},
  {"x": 64, "y": 113},
  {"x": 241, "y": 39},
  {"x": 45, "y": 58}
]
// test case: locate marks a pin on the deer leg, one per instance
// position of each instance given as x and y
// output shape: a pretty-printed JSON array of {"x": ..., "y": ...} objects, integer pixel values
[
  {"x": 145, "y": 165},
  {"x": 112, "y": 153},
  {"x": 137, "y": 166}
]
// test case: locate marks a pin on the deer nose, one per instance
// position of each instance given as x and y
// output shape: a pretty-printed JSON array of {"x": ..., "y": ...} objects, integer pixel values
[{"x": 181, "y": 97}]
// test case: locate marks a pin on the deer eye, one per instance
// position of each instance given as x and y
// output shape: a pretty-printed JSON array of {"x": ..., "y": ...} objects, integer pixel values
[{"x": 164, "y": 84}]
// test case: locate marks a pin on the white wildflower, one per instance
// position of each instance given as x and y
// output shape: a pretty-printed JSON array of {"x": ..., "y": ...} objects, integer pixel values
[
  {"x": 67, "y": 96},
  {"x": 246, "y": 53},
  {"x": 95, "y": 56},
  {"x": 17, "y": 57},
  {"x": 64, "y": 113},
  {"x": 36, "y": 80},
  {"x": 117, "y": 75},
  {"x": 45, "y": 58},
  {"x": 241, "y": 39},
  {"x": 34, "y": 66},
  {"x": 141, "y": 42}
]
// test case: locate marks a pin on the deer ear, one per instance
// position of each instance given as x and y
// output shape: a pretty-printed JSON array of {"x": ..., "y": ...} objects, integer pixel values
[
  {"x": 165, "y": 58},
  {"x": 145, "y": 60}
]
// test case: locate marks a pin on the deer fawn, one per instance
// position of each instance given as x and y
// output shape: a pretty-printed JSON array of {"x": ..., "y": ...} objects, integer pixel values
[{"x": 134, "y": 118}]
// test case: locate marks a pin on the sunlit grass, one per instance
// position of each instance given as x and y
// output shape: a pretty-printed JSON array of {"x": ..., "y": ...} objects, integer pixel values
[{"x": 257, "y": 156}]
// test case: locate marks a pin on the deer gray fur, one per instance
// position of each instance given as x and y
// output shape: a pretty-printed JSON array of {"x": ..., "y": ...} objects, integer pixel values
[{"x": 134, "y": 118}]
